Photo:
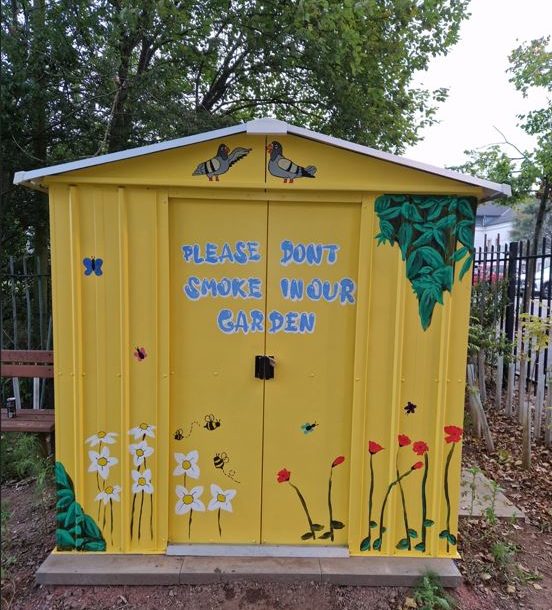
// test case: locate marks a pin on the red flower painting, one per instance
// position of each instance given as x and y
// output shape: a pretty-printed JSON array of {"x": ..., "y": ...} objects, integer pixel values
[
  {"x": 366, "y": 543},
  {"x": 420, "y": 448},
  {"x": 453, "y": 434},
  {"x": 404, "y": 440},
  {"x": 338, "y": 460},
  {"x": 418, "y": 465},
  {"x": 374, "y": 448},
  {"x": 284, "y": 476}
]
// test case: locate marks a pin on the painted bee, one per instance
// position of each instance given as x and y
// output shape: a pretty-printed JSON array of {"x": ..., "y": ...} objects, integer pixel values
[
  {"x": 308, "y": 427},
  {"x": 178, "y": 435},
  {"x": 211, "y": 423},
  {"x": 220, "y": 460}
]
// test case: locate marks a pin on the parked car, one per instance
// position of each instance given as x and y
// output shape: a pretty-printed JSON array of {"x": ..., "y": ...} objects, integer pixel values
[{"x": 543, "y": 285}]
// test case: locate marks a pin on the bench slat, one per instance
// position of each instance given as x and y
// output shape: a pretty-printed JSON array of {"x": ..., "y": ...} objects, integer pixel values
[
  {"x": 35, "y": 414},
  {"x": 16, "y": 424},
  {"x": 27, "y": 356},
  {"x": 28, "y": 370},
  {"x": 28, "y": 420}
]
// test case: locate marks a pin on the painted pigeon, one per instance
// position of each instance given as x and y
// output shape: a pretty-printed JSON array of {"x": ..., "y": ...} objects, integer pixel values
[
  {"x": 221, "y": 163},
  {"x": 284, "y": 168}
]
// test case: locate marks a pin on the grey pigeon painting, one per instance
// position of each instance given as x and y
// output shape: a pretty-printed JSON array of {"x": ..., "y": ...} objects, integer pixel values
[
  {"x": 221, "y": 163},
  {"x": 280, "y": 167}
]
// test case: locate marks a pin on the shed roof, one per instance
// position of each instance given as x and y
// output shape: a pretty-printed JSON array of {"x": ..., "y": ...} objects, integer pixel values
[{"x": 265, "y": 126}]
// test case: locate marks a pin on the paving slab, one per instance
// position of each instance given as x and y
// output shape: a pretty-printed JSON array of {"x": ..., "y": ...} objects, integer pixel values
[
  {"x": 480, "y": 488},
  {"x": 270, "y": 569},
  {"x": 105, "y": 569},
  {"x": 388, "y": 571}
]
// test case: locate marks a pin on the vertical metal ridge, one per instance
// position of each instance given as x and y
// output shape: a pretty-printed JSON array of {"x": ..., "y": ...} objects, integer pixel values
[
  {"x": 161, "y": 517},
  {"x": 76, "y": 320},
  {"x": 100, "y": 318},
  {"x": 398, "y": 342},
  {"x": 357, "y": 477},
  {"x": 438, "y": 439},
  {"x": 53, "y": 203},
  {"x": 125, "y": 366}
]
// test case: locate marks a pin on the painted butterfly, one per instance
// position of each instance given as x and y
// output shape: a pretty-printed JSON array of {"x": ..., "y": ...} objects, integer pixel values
[
  {"x": 410, "y": 408},
  {"x": 308, "y": 427},
  {"x": 92, "y": 265},
  {"x": 140, "y": 353}
]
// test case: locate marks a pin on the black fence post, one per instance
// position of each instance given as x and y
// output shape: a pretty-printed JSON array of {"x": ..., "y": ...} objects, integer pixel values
[{"x": 509, "y": 322}]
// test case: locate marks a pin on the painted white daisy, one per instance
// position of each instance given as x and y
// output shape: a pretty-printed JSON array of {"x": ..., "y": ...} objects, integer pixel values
[
  {"x": 189, "y": 500},
  {"x": 187, "y": 464},
  {"x": 101, "y": 462},
  {"x": 140, "y": 452},
  {"x": 142, "y": 430},
  {"x": 221, "y": 499},
  {"x": 109, "y": 493},
  {"x": 109, "y": 438},
  {"x": 142, "y": 481}
]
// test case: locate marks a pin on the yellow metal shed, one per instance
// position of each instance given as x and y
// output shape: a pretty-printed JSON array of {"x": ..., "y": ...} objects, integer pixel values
[{"x": 260, "y": 338}]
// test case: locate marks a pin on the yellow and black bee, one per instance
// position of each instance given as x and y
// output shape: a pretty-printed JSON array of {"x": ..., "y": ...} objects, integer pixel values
[
  {"x": 220, "y": 460},
  {"x": 211, "y": 423},
  {"x": 178, "y": 435}
]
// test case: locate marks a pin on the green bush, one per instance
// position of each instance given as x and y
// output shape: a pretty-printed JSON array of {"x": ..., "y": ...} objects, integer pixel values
[{"x": 21, "y": 457}]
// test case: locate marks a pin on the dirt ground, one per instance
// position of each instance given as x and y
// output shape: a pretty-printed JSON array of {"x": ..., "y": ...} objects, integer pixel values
[{"x": 520, "y": 577}]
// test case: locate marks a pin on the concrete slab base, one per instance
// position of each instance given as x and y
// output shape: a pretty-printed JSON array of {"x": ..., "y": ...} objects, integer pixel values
[
  {"x": 105, "y": 569},
  {"x": 476, "y": 495}
]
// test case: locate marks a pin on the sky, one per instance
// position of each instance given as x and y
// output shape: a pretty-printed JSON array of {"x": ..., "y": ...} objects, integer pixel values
[{"x": 474, "y": 71}]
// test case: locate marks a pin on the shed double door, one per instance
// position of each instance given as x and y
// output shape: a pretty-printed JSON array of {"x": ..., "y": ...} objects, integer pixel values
[{"x": 252, "y": 279}]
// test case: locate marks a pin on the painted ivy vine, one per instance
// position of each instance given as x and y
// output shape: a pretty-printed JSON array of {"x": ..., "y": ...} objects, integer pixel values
[
  {"x": 75, "y": 530},
  {"x": 428, "y": 230}
]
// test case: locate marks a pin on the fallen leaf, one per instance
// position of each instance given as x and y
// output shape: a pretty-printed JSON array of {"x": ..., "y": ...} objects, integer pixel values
[{"x": 410, "y": 602}]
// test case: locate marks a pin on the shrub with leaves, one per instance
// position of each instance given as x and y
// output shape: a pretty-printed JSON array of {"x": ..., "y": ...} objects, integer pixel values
[
  {"x": 76, "y": 531},
  {"x": 427, "y": 230},
  {"x": 429, "y": 594}
]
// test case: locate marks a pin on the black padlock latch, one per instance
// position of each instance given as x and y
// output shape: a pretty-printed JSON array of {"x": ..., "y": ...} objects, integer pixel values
[{"x": 264, "y": 367}]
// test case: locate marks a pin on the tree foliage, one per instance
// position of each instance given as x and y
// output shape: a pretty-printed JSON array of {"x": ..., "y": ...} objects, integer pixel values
[
  {"x": 528, "y": 172},
  {"x": 88, "y": 77}
]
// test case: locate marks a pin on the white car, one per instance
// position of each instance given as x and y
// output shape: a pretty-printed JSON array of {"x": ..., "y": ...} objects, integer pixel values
[{"x": 543, "y": 286}]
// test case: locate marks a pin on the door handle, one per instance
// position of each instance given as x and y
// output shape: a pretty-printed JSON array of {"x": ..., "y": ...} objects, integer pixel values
[{"x": 264, "y": 367}]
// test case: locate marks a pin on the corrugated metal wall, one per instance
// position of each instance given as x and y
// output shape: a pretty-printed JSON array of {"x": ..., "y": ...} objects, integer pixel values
[{"x": 101, "y": 387}]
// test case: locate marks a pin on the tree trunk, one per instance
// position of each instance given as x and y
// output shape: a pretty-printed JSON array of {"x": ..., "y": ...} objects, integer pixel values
[
  {"x": 537, "y": 236},
  {"x": 477, "y": 410}
]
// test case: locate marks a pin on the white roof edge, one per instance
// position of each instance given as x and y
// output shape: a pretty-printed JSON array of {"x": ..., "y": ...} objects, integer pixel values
[
  {"x": 497, "y": 189},
  {"x": 21, "y": 177},
  {"x": 264, "y": 126}
]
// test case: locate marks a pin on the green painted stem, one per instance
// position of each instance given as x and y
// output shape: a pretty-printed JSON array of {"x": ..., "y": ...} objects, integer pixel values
[
  {"x": 132, "y": 516},
  {"x": 330, "y": 505},
  {"x": 447, "y": 498},
  {"x": 304, "y": 504},
  {"x": 140, "y": 517},
  {"x": 391, "y": 485},
  {"x": 151, "y": 516},
  {"x": 190, "y": 524},
  {"x": 111, "y": 518},
  {"x": 218, "y": 520},
  {"x": 370, "y": 497},
  {"x": 405, "y": 515},
  {"x": 424, "y": 500}
]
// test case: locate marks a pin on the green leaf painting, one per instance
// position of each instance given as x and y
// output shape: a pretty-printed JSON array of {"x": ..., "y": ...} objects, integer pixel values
[
  {"x": 76, "y": 531},
  {"x": 428, "y": 231}
]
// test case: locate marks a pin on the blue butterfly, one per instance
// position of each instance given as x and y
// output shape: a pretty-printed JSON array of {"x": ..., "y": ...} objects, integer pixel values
[
  {"x": 308, "y": 427},
  {"x": 92, "y": 265}
]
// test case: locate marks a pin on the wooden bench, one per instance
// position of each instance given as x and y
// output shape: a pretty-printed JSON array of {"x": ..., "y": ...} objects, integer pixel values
[{"x": 35, "y": 364}]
